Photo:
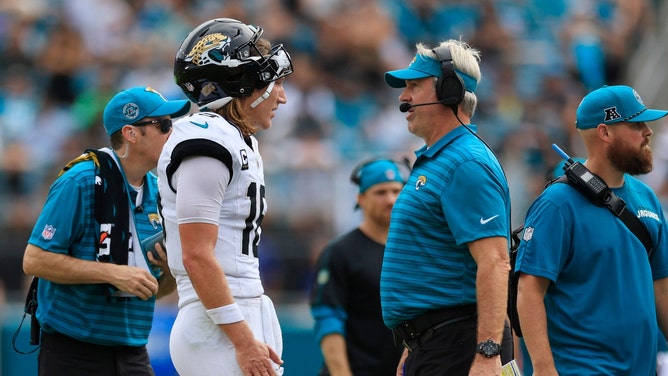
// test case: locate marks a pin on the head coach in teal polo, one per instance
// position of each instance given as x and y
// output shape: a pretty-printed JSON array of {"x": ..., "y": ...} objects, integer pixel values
[{"x": 444, "y": 279}]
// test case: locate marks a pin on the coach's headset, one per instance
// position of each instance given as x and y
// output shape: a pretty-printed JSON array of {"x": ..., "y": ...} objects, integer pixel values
[{"x": 450, "y": 87}]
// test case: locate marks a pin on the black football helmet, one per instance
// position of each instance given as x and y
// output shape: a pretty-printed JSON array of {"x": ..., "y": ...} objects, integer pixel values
[{"x": 220, "y": 59}]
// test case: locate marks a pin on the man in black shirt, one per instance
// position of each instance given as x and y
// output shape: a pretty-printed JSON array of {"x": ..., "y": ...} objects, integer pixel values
[{"x": 345, "y": 300}]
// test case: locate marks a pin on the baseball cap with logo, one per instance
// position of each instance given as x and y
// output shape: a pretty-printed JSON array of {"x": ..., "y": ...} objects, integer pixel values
[
  {"x": 614, "y": 104},
  {"x": 423, "y": 66},
  {"x": 134, "y": 104},
  {"x": 375, "y": 172}
]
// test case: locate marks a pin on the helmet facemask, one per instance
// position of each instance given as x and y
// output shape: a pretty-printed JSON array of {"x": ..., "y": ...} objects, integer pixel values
[{"x": 274, "y": 66}]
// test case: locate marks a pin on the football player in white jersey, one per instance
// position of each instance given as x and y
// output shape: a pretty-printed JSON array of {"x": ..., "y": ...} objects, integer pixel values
[{"x": 211, "y": 184}]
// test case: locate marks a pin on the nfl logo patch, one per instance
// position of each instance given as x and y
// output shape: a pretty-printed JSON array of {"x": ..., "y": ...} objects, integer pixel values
[
  {"x": 528, "y": 234},
  {"x": 48, "y": 232}
]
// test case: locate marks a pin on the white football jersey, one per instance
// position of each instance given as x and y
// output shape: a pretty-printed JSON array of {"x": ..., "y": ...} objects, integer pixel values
[{"x": 242, "y": 210}]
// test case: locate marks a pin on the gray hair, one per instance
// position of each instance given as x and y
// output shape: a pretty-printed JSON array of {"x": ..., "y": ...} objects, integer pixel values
[{"x": 465, "y": 59}]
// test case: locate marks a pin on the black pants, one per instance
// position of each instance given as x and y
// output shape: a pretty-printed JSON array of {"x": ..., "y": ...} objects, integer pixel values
[
  {"x": 449, "y": 350},
  {"x": 60, "y": 355}
]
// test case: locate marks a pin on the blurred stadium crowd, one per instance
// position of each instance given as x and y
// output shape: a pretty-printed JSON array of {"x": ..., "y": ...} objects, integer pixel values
[{"x": 62, "y": 60}]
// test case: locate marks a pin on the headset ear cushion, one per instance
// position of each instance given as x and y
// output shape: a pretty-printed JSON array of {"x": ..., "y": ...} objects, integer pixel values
[
  {"x": 451, "y": 89},
  {"x": 449, "y": 86}
]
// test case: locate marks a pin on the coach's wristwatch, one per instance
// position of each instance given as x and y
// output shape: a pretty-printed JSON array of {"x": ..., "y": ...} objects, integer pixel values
[{"x": 489, "y": 348}]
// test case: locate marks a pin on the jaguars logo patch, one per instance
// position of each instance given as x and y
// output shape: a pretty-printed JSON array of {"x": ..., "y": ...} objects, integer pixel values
[
  {"x": 421, "y": 182},
  {"x": 154, "y": 219}
]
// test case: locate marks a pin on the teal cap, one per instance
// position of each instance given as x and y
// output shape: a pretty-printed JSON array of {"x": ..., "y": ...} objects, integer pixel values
[
  {"x": 614, "y": 104},
  {"x": 132, "y": 105},
  {"x": 424, "y": 66},
  {"x": 376, "y": 172}
]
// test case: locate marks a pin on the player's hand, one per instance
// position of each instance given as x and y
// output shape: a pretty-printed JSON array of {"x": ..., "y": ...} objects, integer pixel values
[
  {"x": 258, "y": 359},
  {"x": 134, "y": 280}
]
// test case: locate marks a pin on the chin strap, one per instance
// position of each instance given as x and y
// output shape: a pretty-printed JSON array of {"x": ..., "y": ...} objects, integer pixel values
[
  {"x": 218, "y": 103},
  {"x": 264, "y": 95}
]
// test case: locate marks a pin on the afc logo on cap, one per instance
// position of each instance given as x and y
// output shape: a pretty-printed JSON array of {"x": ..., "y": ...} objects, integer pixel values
[{"x": 611, "y": 114}]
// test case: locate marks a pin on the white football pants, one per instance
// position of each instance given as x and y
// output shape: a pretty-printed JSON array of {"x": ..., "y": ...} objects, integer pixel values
[{"x": 198, "y": 347}]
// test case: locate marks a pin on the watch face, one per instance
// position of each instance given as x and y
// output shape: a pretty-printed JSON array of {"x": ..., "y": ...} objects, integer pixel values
[{"x": 489, "y": 348}]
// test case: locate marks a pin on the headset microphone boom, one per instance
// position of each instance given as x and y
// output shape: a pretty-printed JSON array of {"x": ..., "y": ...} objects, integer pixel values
[{"x": 405, "y": 106}]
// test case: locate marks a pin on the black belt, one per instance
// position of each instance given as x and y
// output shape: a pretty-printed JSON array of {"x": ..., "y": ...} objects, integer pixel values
[{"x": 409, "y": 331}]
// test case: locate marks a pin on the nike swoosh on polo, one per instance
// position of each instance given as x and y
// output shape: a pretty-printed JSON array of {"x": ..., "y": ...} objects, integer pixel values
[
  {"x": 204, "y": 125},
  {"x": 484, "y": 221}
]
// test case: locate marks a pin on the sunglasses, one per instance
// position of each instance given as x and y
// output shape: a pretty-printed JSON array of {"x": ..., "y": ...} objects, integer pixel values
[{"x": 163, "y": 124}]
